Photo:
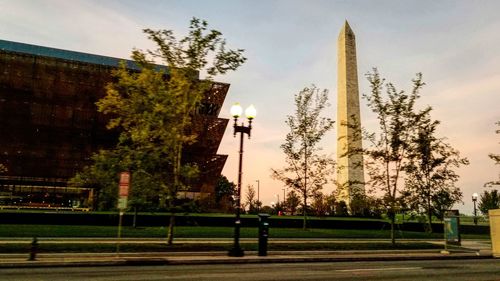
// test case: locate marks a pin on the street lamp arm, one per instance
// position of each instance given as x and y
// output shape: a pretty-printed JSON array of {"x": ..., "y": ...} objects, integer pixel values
[{"x": 242, "y": 128}]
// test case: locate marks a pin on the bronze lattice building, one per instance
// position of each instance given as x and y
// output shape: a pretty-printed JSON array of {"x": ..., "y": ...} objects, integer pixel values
[{"x": 50, "y": 127}]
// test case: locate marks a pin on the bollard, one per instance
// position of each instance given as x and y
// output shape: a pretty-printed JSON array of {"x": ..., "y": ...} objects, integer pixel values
[
  {"x": 263, "y": 234},
  {"x": 33, "y": 249}
]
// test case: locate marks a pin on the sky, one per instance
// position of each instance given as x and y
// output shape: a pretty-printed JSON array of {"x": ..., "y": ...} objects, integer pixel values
[{"x": 290, "y": 45}]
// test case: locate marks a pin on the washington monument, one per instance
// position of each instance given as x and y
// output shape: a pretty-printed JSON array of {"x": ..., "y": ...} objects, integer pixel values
[{"x": 350, "y": 175}]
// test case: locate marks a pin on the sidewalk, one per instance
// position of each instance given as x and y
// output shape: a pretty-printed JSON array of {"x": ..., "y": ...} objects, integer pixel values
[
  {"x": 192, "y": 258},
  {"x": 471, "y": 249}
]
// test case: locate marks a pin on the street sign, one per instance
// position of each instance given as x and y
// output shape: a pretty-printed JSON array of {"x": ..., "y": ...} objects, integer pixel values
[
  {"x": 123, "y": 189},
  {"x": 451, "y": 227},
  {"x": 122, "y": 203},
  {"x": 124, "y": 183}
]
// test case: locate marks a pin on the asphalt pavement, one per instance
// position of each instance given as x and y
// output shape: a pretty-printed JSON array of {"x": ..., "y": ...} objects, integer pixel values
[{"x": 408, "y": 270}]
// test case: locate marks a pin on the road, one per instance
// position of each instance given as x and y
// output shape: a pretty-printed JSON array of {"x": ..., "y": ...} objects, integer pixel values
[{"x": 486, "y": 269}]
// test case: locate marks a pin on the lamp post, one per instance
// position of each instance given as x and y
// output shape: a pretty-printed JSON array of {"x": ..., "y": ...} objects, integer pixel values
[
  {"x": 474, "y": 199},
  {"x": 284, "y": 200},
  {"x": 250, "y": 113},
  {"x": 258, "y": 195}
]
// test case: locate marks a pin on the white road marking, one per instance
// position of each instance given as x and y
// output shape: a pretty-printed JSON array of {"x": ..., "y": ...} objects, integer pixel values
[{"x": 378, "y": 269}]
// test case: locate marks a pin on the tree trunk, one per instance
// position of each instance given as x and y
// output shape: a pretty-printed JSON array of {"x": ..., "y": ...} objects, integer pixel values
[
  {"x": 304, "y": 226},
  {"x": 393, "y": 221},
  {"x": 177, "y": 168},
  {"x": 170, "y": 237},
  {"x": 429, "y": 220},
  {"x": 429, "y": 215},
  {"x": 134, "y": 222},
  {"x": 304, "y": 211}
]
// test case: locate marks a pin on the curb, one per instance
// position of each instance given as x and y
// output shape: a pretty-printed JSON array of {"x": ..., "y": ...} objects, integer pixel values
[{"x": 204, "y": 260}]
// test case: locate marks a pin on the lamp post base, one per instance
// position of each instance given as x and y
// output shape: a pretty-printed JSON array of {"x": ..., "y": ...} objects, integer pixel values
[{"x": 236, "y": 252}]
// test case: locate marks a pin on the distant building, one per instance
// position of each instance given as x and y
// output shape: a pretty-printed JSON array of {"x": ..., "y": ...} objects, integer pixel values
[{"x": 50, "y": 127}]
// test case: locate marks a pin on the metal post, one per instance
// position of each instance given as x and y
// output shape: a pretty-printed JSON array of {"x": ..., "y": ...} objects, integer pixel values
[
  {"x": 250, "y": 112},
  {"x": 33, "y": 249},
  {"x": 258, "y": 194},
  {"x": 475, "y": 213},
  {"x": 236, "y": 251},
  {"x": 474, "y": 199},
  {"x": 119, "y": 234},
  {"x": 445, "y": 237}
]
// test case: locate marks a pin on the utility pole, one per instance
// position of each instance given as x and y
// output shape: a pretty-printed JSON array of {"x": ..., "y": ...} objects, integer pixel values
[{"x": 258, "y": 194}]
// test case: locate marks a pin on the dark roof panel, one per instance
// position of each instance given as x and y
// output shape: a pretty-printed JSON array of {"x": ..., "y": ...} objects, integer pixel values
[{"x": 66, "y": 55}]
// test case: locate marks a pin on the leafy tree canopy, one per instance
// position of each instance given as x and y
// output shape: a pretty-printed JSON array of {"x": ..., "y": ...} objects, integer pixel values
[
  {"x": 430, "y": 172},
  {"x": 152, "y": 108},
  {"x": 390, "y": 147},
  {"x": 306, "y": 170},
  {"x": 489, "y": 200}
]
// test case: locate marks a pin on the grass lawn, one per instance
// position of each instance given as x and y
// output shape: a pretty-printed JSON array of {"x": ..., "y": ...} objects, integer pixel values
[
  {"x": 399, "y": 217},
  {"x": 15, "y": 230}
]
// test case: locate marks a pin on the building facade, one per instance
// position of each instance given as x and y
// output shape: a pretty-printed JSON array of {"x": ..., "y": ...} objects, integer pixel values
[{"x": 50, "y": 126}]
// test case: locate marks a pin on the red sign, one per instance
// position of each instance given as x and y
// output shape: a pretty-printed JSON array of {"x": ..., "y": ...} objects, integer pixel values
[{"x": 124, "y": 184}]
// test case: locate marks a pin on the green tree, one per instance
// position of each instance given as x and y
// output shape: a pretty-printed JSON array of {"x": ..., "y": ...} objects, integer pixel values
[
  {"x": 306, "y": 170},
  {"x": 390, "y": 147},
  {"x": 341, "y": 209},
  {"x": 152, "y": 108},
  {"x": 250, "y": 200},
  {"x": 430, "y": 172},
  {"x": 489, "y": 200},
  {"x": 323, "y": 204},
  {"x": 224, "y": 191},
  {"x": 292, "y": 202},
  {"x": 442, "y": 201},
  {"x": 496, "y": 158},
  {"x": 102, "y": 178}
]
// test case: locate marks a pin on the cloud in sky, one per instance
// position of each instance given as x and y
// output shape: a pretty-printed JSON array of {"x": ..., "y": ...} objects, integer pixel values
[{"x": 292, "y": 44}]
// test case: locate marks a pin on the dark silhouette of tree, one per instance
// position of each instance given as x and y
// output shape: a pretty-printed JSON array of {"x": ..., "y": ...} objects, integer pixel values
[
  {"x": 430, "y": 172},
  {"x": 224, "y": 191},
  {"x": 251, "y": 200},
  {"x": 496, "y": 158},
  {"x": 390, "y": 147},
  {"x": 292, "y": 202},
  {"x": 489, "y": 200}
]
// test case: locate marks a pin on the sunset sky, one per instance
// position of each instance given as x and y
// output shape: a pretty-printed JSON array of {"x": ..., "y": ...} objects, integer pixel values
[{"x": 292, "y": 44}]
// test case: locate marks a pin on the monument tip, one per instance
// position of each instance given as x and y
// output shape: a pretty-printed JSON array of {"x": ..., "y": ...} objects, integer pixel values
[
  {"x": 346, "y": 26},
  {"x": 346, "y": 29}
]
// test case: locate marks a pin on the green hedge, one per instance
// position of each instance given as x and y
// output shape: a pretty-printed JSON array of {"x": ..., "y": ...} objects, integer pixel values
[{"x": 74, "y": 218}]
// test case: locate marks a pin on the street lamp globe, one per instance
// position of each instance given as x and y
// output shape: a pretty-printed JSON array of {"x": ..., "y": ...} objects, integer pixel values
[
  {"x": 236, "y": 110},
  {"x": 474, "y": 196},
  {"x": 250, "y": 112}
]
